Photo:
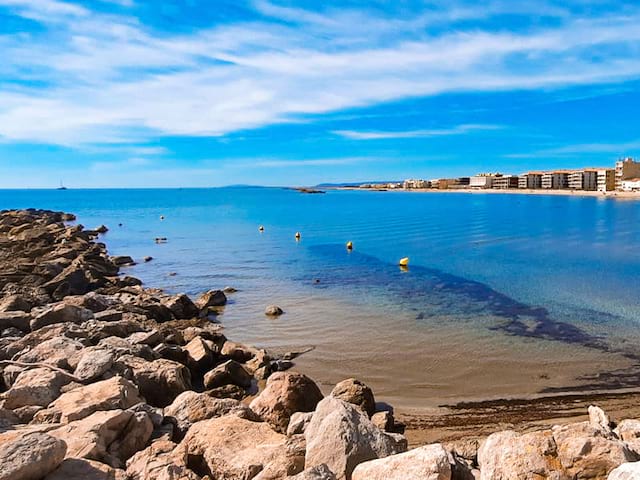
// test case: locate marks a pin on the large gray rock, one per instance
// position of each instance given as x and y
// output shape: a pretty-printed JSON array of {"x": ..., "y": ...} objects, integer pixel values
[
  {"x": 114, "y": 393},
  {"x": 355, "y": 392},
  {"x": 212, "y": 298},
  {"x": 159, "y": 381},
  {"x": 61, "y": 313},
  {"x": 15, "y": 319},
  {"x": 298, "y": 423},
  {"x": 39, "y": 386},
  {"x": 55, "y": 351},
  {"x": 191, "y": 407},
  {"x": 234, "y": 448},
  {"x": 30, "y": 457},
  {"x": 228, "y": 373},
  {"x": 94, "y": 362},
  {"x": 425, "y": 463},
  {"x": 285, "y": 394},
  {"x": 626, "y": 471},
  {"x": 341, "y": 436},
  {"x": 102, "y": 435},
  {"x": 182, "y": 307}
]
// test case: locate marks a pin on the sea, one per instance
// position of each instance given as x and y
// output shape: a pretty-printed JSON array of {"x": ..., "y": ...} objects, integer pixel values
[{"x": 505, "y": 296}]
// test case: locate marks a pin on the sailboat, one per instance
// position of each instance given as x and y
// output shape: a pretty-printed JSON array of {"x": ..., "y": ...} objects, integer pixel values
[{"x": 61, "y": 187}]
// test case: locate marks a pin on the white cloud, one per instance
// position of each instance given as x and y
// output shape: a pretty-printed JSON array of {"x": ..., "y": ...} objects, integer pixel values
[
  {"x": 109, "y": 79},
  {"x": 458, "y": 130}
]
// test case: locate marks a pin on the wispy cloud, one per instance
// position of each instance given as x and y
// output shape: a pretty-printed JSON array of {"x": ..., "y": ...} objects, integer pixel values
[
  {"x": 91, "y": 77},
  {"x": 458, "y": 130}
]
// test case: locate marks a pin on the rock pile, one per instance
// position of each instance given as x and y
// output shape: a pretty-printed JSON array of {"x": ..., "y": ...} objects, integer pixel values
[{"x": 101, "y": 379}]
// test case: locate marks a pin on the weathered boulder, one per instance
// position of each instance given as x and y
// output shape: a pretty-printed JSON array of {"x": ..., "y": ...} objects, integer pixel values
[
  {"x": 84, "y": 469},
  {"x": 284, "y": 395},
  {"x": 101, "y": 435},
  {"x": 15, "y": 319},
  {"x": 122, "y": 260},
  {"x": 94, "y": 362},
  {"x": 30, "y": 457},
  {"x": 341, "y": 436},
  {"x": 200, "y": 353},
  {"x": 626, "y": 471},
  {"x": 151, "y": 338},
  {"x": 273, "y": 311},
  {"x": 425, "y": 463},
  {"x": 39, "y": 386},
  {"x": 159, "y": 381},
  {"x": 61, "y": 313},
  {"x": 321, "y": 472},
  {"x": 237, "y": 351},
  {"x": 298, "y": 423},
  {"x": 15, "y": 302},
  {"x": 212, "y": 298},
  {"x": 108, "y": 316},
  {"x": 629, "y": 432},
  {"x": 55, "y": 351},
  {"x": 182, "y": 307},
  {"x": 230, "y": 372},
  {"x": 111, "y": 394},
  {"x": 599, "y": 419},
  {"x": 7, "y": 418},
  {"x": 230, "y": 447},
  {"x": 355, "y": 392},
  {"x": 383, "y": 420},
  {"x": 157, "y": 462},
  {"x": 589, "y": 452},
  {"x": 191, "y": 407}
]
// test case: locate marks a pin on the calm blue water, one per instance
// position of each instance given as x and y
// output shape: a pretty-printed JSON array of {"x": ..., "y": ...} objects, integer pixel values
[{"x": 505, "y": 294}]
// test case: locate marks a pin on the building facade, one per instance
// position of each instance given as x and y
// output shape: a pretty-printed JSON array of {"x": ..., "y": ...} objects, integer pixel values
[
  {"x": 555, "y": 180},
  {"x": 626, "y": 168},
  {"x": 606, "y": 179},
  {"x": 504, "y": 182},
  {"x": 481, "y": 181}
]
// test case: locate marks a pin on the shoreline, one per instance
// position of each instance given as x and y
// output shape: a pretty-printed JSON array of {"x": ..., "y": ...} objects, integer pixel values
[
  {"x": 509, "y": 191},
  {"x": 104, "y": 374}
]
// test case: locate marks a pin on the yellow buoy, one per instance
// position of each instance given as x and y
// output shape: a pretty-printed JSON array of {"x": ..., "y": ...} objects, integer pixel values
[
  {"x": 261, "y": 228},
  {"x": 404, "y": 262},
  {"x": 298, "y": 235},
  {"x": 349, "y": 245}
]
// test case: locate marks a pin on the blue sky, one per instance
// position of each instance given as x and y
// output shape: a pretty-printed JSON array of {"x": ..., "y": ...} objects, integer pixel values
[{"x": 123, "y": 93}]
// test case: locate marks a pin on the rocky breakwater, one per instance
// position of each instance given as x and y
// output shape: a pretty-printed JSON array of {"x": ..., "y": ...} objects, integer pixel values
[{"x": 101, "y": 378}]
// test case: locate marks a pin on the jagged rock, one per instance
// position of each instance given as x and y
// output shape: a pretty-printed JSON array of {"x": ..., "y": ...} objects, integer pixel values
[
  {"x": 425, "y": 463},
  {"x": 15, "y": 302},
  {"x": 298, "y": 423},
  {"x": 121, "y": 347},
  {"x": 108, "y": 316},
  {"x": 157, "y": 462},
  {"x": 93, "y": 301},
  {"x": 230, "y": 447},
  {"x": 273, "y": 311},
  {"x": 629, "y": 432},
  {"x": 321, "y": 472},
  {"x": 284, "y": 395},
  {"x": 94, "y": 362},
  {"x": 355, "y": 392},
  {"x": 122, "y": 260},
  {"x": 83, "y": 469},
  {"x": 599, "y": 419},
  {"x": 212, "y": 298},
  {"x": 159, "y": 381},
  {"x": 55, "y": 351},
  {"x": 107, "y": 436},
  {"x": 61, "y": 313},
  {"x": 626, "y": 471},
  {"x": 39, "y": 386},
  {"x": 172, "y": 352},
  {"x": 30, "y": 457},
  {"x": 230, "y": 372},
  {"x": 200, "y": 353},
  {"x": 114, "y": 393},
  {"x": 238, "y": 352},
  {"x": 191, "y": 407},
  {"x": 383, "y": 420},
  {"x": 589, "y": 452},
  {"x": 342, "y": 436},
  {"x": 182, "y": 307},
  {"x": 15, "y": 319},
  {"x": 151, "y": 338},
  {"x": 113, "y": 328}
]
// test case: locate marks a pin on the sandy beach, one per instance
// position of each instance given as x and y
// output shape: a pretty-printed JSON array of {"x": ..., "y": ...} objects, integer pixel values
[{"x": 510, "y": 191}]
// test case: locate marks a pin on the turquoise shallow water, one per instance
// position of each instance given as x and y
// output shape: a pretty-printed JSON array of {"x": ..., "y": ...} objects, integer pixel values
[{"x": 505, "y": 294}]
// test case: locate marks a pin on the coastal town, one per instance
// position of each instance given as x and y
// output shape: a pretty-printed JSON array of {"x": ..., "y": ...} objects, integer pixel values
[{"x": 623, "y": 177}]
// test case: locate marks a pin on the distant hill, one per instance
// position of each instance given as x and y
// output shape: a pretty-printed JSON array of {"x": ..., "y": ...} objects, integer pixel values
[{"x": 354, "y": 184}]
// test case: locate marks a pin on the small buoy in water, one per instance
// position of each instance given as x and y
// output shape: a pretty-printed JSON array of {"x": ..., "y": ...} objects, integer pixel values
[
  {"x": 261, "y": 228},
  {"x": 298, "y": 235},
  {"x": 161, "y": 217},
  {"x": 349, "y": 245},
  {"x": 404, "y": 262}
]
